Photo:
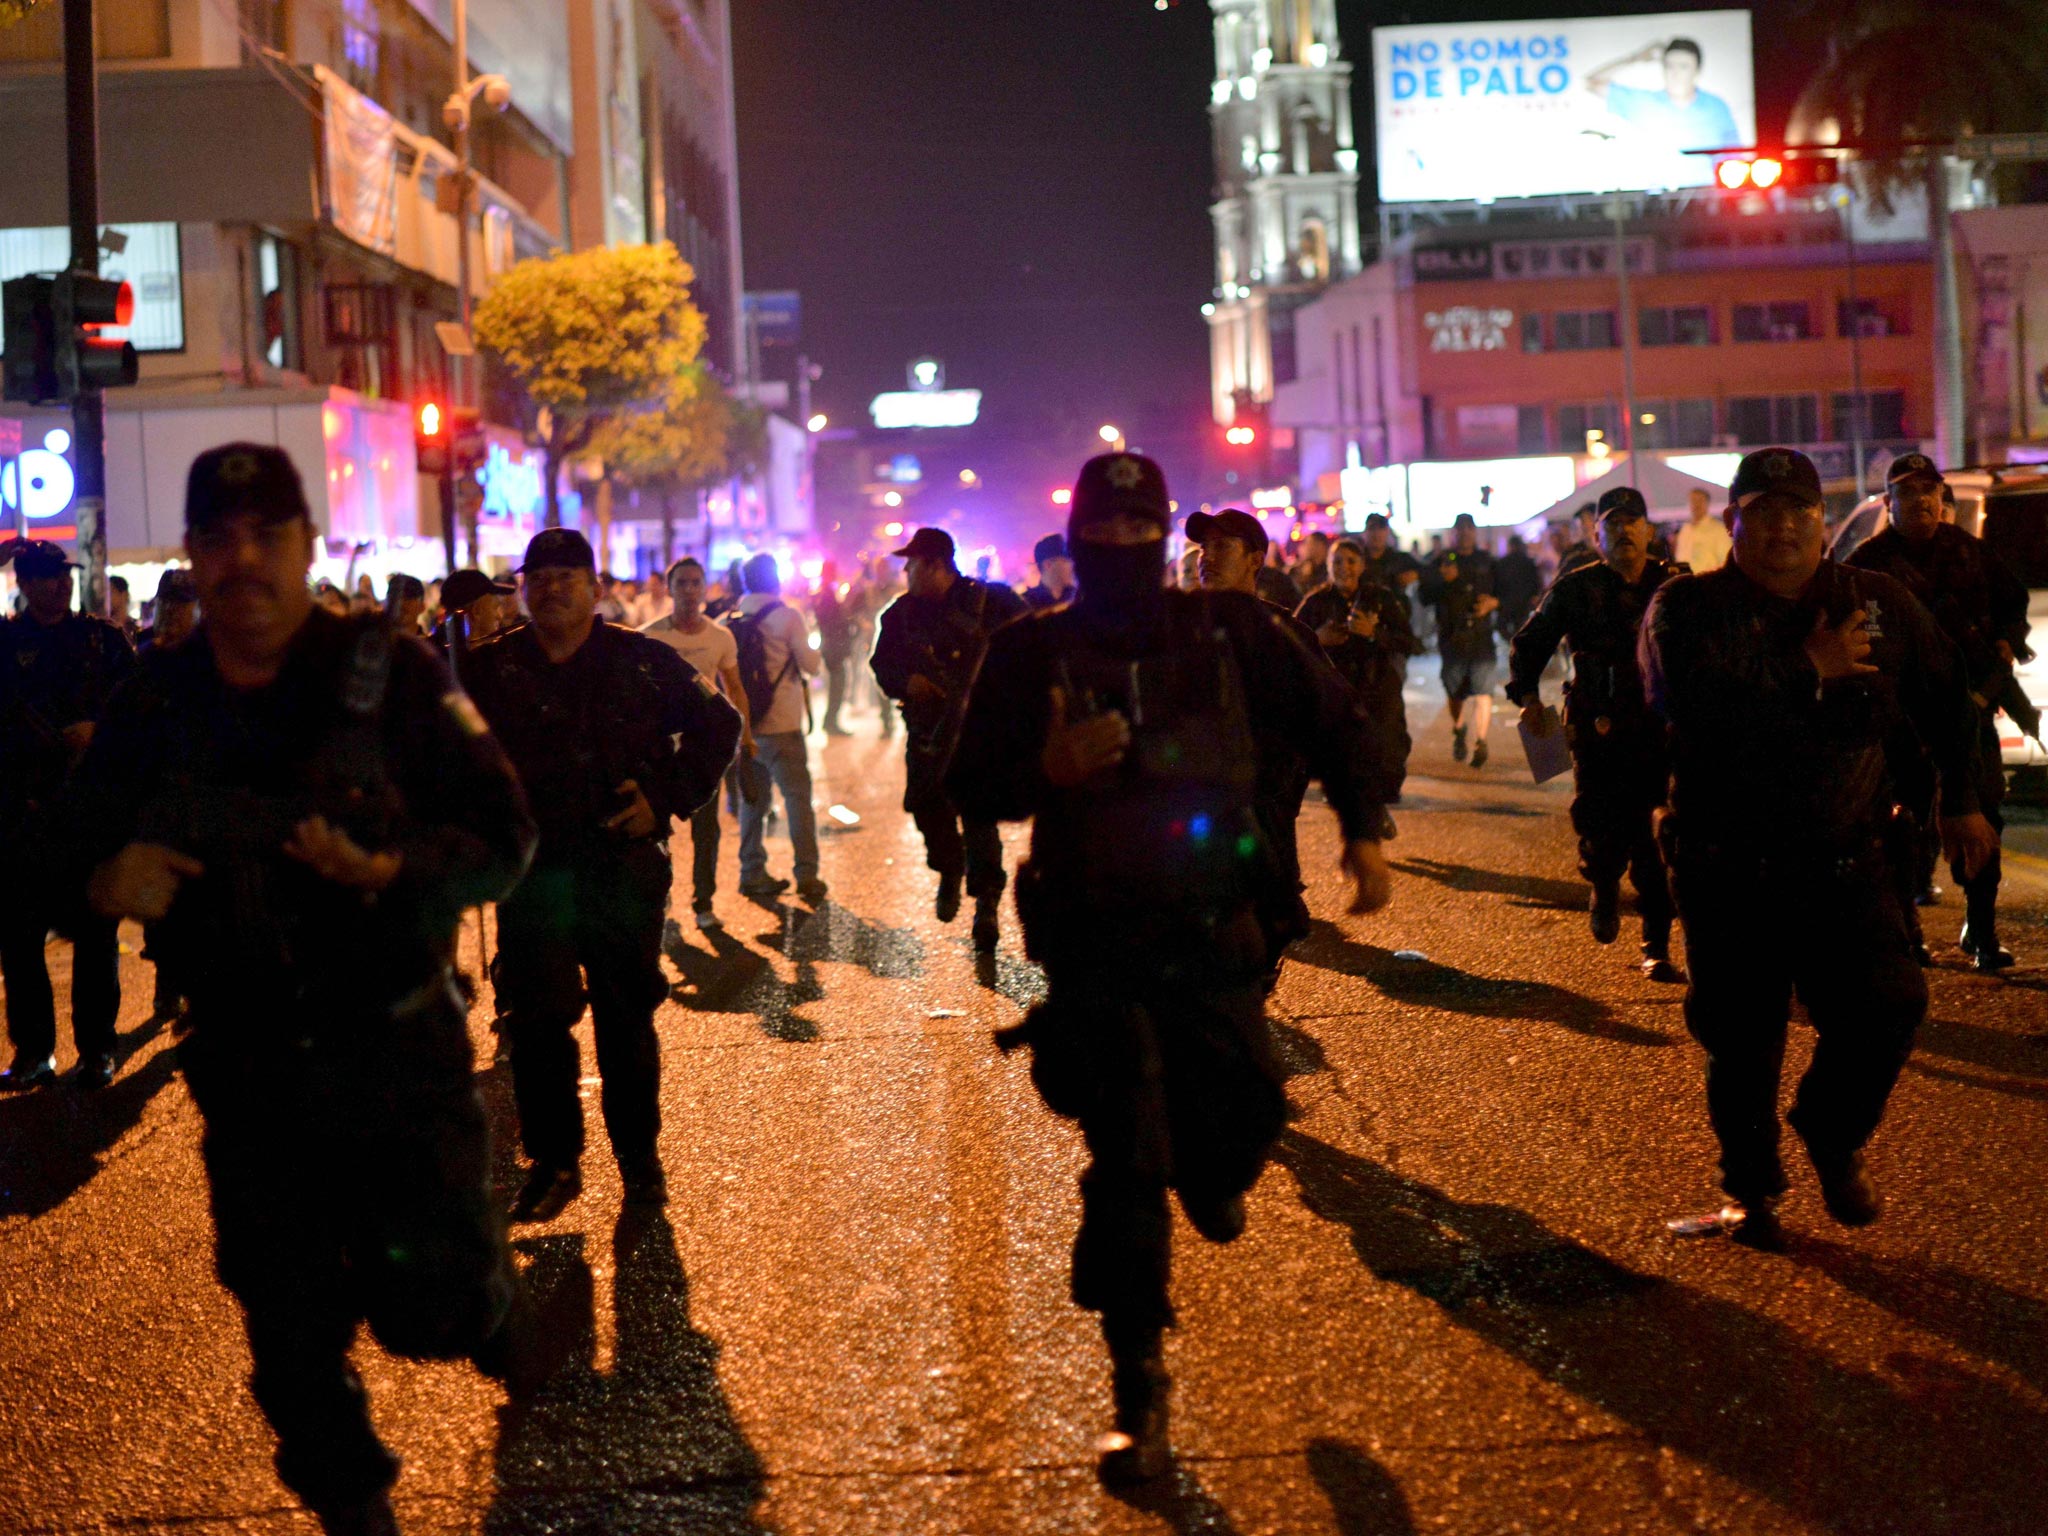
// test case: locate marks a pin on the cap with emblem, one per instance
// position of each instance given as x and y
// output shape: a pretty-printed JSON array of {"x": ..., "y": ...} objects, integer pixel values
[
  {"x": 1230, "y": 523},
  {"x": 561, "y": 549},
  {"x": 177, "y": 586},
  {"x": 933, "y": 544},
  {"x": 1624, "y": 501},
  {"x": 1776, "y": 469},
  {"x": 1111, "y": 483},
  {"x": 1052, "y": 547},
  {"x": 1912, "y": 466},
  {"x": 35, "y": 559},
  {"x": 465, "y": 586},
  {"x": 257, "y": 478}
]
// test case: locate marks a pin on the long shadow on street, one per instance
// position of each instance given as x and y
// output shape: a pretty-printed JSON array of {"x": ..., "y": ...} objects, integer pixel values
[
  {"x": 1431, "y": 985},
  {"x": 1528, "y": 890},
  {"x": 52, "y": 1141},
  {"x": 650, "y": 1446},
  {"x": 732, "y": 977},
  {"x": 1726, "y": 1387}
]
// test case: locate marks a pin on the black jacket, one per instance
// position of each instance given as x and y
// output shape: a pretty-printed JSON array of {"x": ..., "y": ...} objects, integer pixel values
[
  {"x": 1599, "y": 615},
  {"x": 1377, "y": 667},
  {"x": 1973, "y": 595},
  {"x": 1453, "y": 584}
]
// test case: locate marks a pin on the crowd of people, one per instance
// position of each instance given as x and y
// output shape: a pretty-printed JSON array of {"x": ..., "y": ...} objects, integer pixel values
[{"x": 300, "y": 797}]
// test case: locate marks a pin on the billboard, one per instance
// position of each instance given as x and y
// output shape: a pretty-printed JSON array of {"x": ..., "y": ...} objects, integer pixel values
[{"x": 1483, "y": 110}]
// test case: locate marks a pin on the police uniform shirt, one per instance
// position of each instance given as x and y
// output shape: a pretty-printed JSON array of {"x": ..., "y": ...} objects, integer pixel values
[
  {"x": 1764, "y": 756},
  {"x": 1389, "y": 567},
  {"x": 1973, "y": 595},
  {"x": 932, "y": 635},
  {"x": 1453, "y": 584},
  {"x": 1598, "y": 613},
  {"x": 1376, "y": 666},
  {"x": 68, "y": 670}
]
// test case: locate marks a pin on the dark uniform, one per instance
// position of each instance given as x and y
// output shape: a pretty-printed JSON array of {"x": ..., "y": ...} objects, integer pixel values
[
  {"x": 1517, "y": 582},
  {"x": 1618, "y": 760},
  {"x": 1776, "y": 838},
  {"x": 943, "y": 639},
  {"x": 60, "y": 676},
  {"x": 346, "y": 1148},
  {"x": 1144, "y": 891},
  {"x": 1978, "y": 601},
  {"x": 1052, "y": 547},
  {"x": 1376, "y": 669},
  {"x": 587, "y": 920}
]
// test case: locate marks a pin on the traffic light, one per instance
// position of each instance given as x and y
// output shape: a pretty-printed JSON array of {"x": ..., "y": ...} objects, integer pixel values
[
  {"x": 431, "y": 434},
  {"x": 1765, "y": 173},
  {"x": 30, "y": 368},
  {"x": 82, "y": 304},
  {"x": 1242, "y": 437}
]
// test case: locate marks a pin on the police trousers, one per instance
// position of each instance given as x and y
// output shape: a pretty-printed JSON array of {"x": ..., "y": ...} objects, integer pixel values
[
  {"x": 1920, "y": 794},
  {"x": 953, "y": 845},
  {"x": 32, "y": 1001},
  {"x": 350, "y": 1176},
  {"x": 586, "y": 925},
  {"x": 1620, "y": 784},
  {"x": 1829, "y": 931},
  {"x": 1161, "y": 1051}
]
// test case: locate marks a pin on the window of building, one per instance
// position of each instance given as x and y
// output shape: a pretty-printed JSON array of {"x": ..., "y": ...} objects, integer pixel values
[
  {"x": 277, "y": 295},
  {"x": 1884, "y": 416},
  {"x": 1675, "y": 424},
  {"x": 1532, "y": 332},
  {"x": 1785, "y": 321},
  {"x": 1870, "y": 317},
  {"x": 1582, "y": 330},
  {"x": 1531, "y": 434},
  {"x": 1574, "y": 422},
  {"x": 1676, "y": 325},
  {"x": 1314, "y": 256},
  {"x": 1756, "y": 420}
]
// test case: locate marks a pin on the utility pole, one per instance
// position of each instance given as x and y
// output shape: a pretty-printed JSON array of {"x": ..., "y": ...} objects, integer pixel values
[
  {"x": 1627, "y": 321},
  {"x": 1950, "y": 427},
  {"x": 88, "y": 408}
]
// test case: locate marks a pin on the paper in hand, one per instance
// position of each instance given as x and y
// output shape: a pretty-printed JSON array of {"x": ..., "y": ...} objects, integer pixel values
[{"x": 1549, "y": 754}]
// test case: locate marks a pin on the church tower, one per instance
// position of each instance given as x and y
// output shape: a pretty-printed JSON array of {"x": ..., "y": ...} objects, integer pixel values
[{"x": 1286, "y": 208}]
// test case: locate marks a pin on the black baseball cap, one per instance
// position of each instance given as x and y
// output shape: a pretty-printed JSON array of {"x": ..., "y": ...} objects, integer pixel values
[
  {"x": 1052, "y": 547},
  {"x": 244, "y": 477},
  {"x": 1230, "y": 523},
  {"x": 1120, "y": 482},
  {"x": 1378, "y": 520},
  {"x": 177, "y": 586},
  {"x": 934, "y": 544},
  {"x": 559, "y": 549},
  {"x": 403, "y": 586},
  {"x": 1912, "y": 466},
  {"x": 35, "y": 559},
  {"x": 1776, "y": 469},
  {"x": 465, "y": 586},
  {"x": 1465, "y": 520},
  {"x": 1623, "y": 501}
]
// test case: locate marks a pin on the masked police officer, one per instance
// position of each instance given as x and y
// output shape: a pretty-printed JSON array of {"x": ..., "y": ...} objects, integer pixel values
[
  {"x": 1782, "y": 677},
  {"x": 614, "y": 735},
  {"x": 930, "y": 643},
  {"x": 1617, "y": 744},
  {"x": 302, "y": 806},
  {"x": 1982, "y": 607},
  {"x": 1125, "y": 727},
  {"x": 62, "y": 668}
]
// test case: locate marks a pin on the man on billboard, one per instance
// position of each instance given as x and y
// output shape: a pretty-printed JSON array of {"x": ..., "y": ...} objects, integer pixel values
[{"x": 1681, "y": 116}]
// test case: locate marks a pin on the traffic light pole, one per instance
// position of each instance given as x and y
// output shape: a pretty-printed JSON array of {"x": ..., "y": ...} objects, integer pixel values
[{"x": 88, "y": 409}]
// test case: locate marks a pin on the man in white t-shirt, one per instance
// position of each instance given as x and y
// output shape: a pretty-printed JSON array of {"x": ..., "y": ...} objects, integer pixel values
[
  {"x": 1703, "y": 544},
  {"x": 781, "y": 757},
  {"x": 709, "y": 648}
]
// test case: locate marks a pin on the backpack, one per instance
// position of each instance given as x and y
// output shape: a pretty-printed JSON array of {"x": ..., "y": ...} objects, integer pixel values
[{"x": 755, "y": 677}]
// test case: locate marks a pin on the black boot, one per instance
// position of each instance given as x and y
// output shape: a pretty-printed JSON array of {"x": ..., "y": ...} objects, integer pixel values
[
  {"x": 1657, "y": 964},
  {"x": 1980, "y": 932},
  {"x": 1606, "y": 911},
  {"x": 988, "y": 928},
  {"x": 371, "y": 1516},
  {"x": 1138, "y": 1451},
  {"x": 948, "y": 905}
]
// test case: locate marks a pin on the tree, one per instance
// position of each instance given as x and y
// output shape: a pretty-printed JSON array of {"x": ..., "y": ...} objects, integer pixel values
[
  {"x": 12, "y": 11},
  {"x": 680, "y": 446},
  {"x": 589, "y": 337}
]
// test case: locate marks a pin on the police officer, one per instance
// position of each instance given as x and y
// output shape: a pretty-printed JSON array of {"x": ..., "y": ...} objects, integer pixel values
[
  {"x": 1982, "y": 607},
  {"x": 1458, "y": 583},
  {"x": 1386, "y": 563},
  {"x": 1617, "y": 744},
  {"x": 930, "y": 642},
  {"x": 1125, "y": 727},
  {"x": 64, "y": 666},
  {"x": 475, "y": 606},
  {"x": 1055, "y": 573},
  {"x": 303, "y": 805},
  {"x": 174, "y": 614},
  {"x": 1782, "y": 677},
  {"x": 614, "y": 735},
  {"x": 1360, "y": 619}
]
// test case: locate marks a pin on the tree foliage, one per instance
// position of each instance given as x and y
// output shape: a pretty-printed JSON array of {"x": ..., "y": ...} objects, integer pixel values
[
  {"x": 12, "y": 11},
  {"x": 590, "y": 337},
  {"x": 679, "y": 445}
]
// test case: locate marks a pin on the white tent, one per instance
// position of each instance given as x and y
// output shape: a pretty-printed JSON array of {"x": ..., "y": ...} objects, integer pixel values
[{"x": 1667, "y": 490}]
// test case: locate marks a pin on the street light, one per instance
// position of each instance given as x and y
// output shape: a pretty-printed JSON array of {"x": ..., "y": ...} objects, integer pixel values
[
  {"x": 820, "y": 422},
  {"x": 1113, "y": 436},
  {"x": 1062, "y": 497}
]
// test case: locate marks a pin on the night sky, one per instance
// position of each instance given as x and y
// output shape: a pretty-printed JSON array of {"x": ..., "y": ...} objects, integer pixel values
[{"x": 1022, "y": 189}]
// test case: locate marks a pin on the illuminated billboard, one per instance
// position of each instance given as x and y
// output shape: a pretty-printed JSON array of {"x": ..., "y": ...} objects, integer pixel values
[
  {"x": 926, "y": 408},
  {"x": 1484, "y": 110}
]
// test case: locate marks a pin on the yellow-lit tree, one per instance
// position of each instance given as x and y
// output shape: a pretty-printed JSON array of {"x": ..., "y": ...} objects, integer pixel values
[
  {"x": 12, "y": 11},
  {"x": 589, "y": 337},
  {"x": 678, "y": 447}
]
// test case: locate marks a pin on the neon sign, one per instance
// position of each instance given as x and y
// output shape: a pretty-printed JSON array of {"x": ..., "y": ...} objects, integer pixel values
[{"x": 40, "y": 482}]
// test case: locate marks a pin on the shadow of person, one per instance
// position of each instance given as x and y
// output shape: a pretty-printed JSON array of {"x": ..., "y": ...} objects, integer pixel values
[
  {"x": 1529, "y": 890},
  {"x": 1431, "y": 985},
  {"x": 1731, "y": 1389},
  {"x": 1363, "y": 1495},
  {"x": 53, "y": 1141},
  {"x": 1009, "y": 976},
  {"x": 1179, "y": 1499},
  {"x": 650, "y": 1445},
  {"x": 733, "y": 977},
  {"x": 2007, "y": 1053}
]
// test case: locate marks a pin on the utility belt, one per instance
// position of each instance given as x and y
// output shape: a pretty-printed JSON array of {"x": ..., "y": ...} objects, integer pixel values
[{"x": 1864, "y": 855}]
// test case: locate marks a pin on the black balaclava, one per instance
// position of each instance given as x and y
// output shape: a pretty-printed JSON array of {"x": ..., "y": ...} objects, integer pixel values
[{"x": 1122, "y": 584}]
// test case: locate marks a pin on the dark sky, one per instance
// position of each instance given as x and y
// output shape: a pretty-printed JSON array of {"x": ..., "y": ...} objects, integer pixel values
[{"x": 1019, "y": 186}]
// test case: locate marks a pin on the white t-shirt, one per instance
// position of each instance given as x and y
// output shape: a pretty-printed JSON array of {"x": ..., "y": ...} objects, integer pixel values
[
  {"x": 710, "y": 650},
  {"x": 784, "y": 634},
  {"x": 1703, "y": 546}
]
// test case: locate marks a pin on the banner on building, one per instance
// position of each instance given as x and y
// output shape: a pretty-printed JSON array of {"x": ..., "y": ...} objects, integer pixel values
[
  {"x": 1485, "y": 110},
  {"x": 362, "y": 165}
]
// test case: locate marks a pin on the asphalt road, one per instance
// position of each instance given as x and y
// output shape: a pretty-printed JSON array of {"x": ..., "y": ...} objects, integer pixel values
[{"x": 1456, "y": 1309}]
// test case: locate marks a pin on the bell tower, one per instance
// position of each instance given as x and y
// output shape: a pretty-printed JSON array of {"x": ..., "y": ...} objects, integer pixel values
[{"x": 1286, "y": 200}]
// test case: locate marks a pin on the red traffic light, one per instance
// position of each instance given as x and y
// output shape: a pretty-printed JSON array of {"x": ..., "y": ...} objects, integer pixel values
[
  {"x": 1760, "y": 173},
  {"x": 431, "y": 419},
  {"x": 1241, "y": 437}
]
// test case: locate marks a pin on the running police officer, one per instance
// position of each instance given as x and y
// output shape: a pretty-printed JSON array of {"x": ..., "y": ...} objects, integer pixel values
[
  {"x": 930, "y": 643},
  {"x": 1617, "y": 744},
  {"x": 302, "y": 806},
  {"x": 1982, "y": 607},
  {"x": 1362, "y": 623},
  {"x": 1458, "y": 583},
  {"x": 1782, "y": 676},
  {"x": 63, "y": 667},
  {"x": 613, "y": 734},
  {"x": 1125, "y": 727}
]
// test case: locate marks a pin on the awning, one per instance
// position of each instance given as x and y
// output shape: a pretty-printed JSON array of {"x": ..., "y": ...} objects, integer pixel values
[{"x": 1664, "y": 488}]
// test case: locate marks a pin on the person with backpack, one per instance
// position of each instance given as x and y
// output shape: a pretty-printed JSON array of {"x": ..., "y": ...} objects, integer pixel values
[
  {"x": 926, "y": 655},
  {"x": 776, "y": 665}
]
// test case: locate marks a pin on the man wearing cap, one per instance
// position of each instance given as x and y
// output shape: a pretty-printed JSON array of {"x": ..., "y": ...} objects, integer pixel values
[
  {"x": 174, "y": 614},
  {"x": 302, "y": 806},
  {"x": 929, "y": 644},
  {"x": 1386, "y": 563},
  {"x": 405, "y": 602},
  {"x": 613, "y": 735},
  {"x": 1782, "y": 677},
  {"x": 1458, "y": 583},
  {"x": 475, "y": 607},
  {"x": 1582, "y": 547},
  {"x": 64, "y": 667},
  {"x": 1982, "y": 607},
  {"x": 1617, "y": 745},
  {"x": 1055, "y": 574},
  {"x": 1125, "y": 727}
]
